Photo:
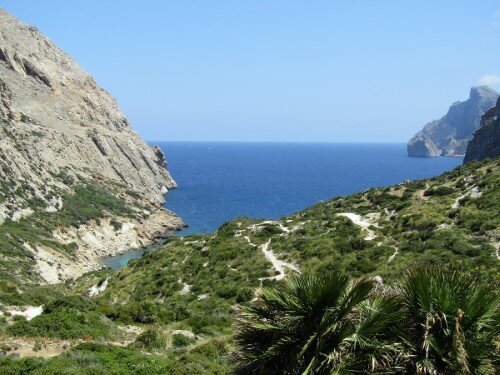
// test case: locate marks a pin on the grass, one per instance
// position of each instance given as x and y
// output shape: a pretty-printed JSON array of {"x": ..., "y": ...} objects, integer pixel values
[
  {"x": 87, "y": 202},
  {"x": 223, "y": 269},
  {"x": 101, "y": 359},
  {"x": 418, "y": 225},
  {"x": 69, "y": 317}
]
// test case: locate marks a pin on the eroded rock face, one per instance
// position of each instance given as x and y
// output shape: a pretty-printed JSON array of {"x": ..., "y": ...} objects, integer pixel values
[
  {"x": 486, "y": 141},
  {"x": 58, "y": 129},
  {"x": 160, "y": 156},
  {"x": 54, "y": 117},
  {"x": 450, "y": 135},
  {"x": 422, "y": 146}
]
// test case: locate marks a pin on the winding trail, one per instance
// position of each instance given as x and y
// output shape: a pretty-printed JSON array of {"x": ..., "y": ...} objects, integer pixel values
[
  {"x": 473, "y": 193},
  {"x": 279, "y": 265},
  {"x": 396, "y": 252},
  {"x": 361, "y": 221},
  {"x": 186, "y": 288}
]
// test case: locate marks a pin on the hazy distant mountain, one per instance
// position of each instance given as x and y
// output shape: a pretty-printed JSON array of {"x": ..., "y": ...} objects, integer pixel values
[{"x": 450, "y": 135}]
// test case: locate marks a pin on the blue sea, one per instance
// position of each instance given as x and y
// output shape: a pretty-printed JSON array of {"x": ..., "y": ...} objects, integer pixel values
[{"x": 221, "y": 181}]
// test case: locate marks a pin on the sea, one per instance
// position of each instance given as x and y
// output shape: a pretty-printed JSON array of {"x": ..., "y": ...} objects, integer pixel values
[{"x": 220, "y": 181}]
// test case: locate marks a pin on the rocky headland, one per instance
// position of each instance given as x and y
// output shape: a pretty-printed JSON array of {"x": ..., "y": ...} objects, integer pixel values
[
  {"x": 63, "y": 139},
  {"x": 450, "y": 135}
]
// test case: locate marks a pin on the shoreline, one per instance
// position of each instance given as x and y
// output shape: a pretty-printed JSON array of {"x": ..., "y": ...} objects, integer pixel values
[{"x": 96, "y": 240}]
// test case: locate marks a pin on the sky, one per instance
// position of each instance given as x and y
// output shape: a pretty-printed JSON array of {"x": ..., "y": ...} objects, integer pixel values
[{"x": 278, "y": 70}]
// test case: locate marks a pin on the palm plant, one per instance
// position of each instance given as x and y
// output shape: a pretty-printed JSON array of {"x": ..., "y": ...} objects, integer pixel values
[
  {"x": 320, "y": 325},
  {"x": 452, "y": 322}
]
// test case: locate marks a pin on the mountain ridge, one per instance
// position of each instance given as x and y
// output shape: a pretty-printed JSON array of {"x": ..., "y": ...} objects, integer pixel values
[
  {"x": 61, "y": 136},
  {"x": 449, "y": 135}
]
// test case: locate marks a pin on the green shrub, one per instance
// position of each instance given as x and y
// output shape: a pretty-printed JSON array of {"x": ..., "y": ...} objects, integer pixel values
[
  {"x": 151, "y": 339},
  {"x": 179, "y": 340},
  {"x": 64, "y": 325},
  {"x": 439, "y": 191}
]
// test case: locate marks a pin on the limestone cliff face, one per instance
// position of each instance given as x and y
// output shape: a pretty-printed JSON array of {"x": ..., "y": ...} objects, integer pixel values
[
  {"x": 60, "y": 131},
  {"x": 55, "y": 117},
  {"x": 486, "y": 140},
  {"x": 450, "y": 135}
]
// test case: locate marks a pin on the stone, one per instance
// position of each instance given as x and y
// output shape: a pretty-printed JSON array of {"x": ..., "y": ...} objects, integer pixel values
[
  {"x": 422, "y": 146},
  {"x": 56, "y": 118},
  {"x": 450, "y": 135},
  {"x": 486, "y": 140},
  {"x": 57, "y": 125}
]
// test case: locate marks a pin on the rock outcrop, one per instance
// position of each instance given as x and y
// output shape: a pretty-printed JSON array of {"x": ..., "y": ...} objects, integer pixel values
[
  {"x": 450, "y": 135},
  {"x": 57, "y": 126},
  {"x": 422, "y": 145},
  {"x": 486, "y": 140},
  {"x": 64, "y": 119}
]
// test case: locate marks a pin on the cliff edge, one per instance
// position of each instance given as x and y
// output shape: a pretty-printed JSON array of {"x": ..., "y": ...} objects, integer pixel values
[
  {"x": 65, "y": 145},
  {"x": 450, "y": 135},
  {"x": 486, "y": 141}
]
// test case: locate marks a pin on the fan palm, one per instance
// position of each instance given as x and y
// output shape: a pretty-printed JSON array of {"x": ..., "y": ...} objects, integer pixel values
[
  {"x": 452, "y": 322},
  {"x": 319, "y": 325}
]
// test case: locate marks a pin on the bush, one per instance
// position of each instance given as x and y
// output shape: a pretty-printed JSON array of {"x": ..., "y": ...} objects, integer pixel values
[
  {"x": 64, "y": 325},
  {"x": 69, "y": 303},
  {"x": 179, "y": 341},
  {"x": 151, "y": 339},
  {"x": 90, "y": 359},
  {"x": 133, "y": 312},
  {"x": 439, "y": 191}
]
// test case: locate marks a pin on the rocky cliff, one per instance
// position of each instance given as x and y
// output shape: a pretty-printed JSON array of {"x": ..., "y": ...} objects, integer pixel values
[
  {"x": 486, "y": 140},
  {"x": 450, "y": 135},
  {"x": 60, "y": 131}
]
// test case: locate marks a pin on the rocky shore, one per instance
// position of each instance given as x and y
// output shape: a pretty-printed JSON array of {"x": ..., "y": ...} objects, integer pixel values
[
  {"x": 60, "y": 133},
  {"x": 108, "y": 237}
]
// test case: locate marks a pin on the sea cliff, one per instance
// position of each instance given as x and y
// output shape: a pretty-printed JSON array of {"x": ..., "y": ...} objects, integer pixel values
[
  {"x": 61, "y": 137},
  {"x": 450, "y": 135}
]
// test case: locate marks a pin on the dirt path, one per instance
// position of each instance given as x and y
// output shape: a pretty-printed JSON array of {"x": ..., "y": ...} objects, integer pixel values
[
  {"x": 279, "y": 265},
  {"x": 396, "y": 252},
  {"x": 473, "y": 193},
  {"x": 362, "y": 221}
]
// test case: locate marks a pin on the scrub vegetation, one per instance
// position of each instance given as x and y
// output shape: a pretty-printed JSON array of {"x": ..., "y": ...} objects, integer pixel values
[{"x": 420, "y": 260}]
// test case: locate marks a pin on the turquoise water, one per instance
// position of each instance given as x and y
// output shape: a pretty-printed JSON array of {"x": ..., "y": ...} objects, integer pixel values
[{"x": 221, "y": 181}]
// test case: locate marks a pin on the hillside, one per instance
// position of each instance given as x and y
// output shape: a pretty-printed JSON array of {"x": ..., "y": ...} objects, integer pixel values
[
  {"x": 180, "y": 301},
  {"x": 449, "y": 135},
  {"x": 69, "y": 161}
]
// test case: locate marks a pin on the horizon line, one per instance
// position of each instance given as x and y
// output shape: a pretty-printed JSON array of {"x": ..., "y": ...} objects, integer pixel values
[{"x": 254, "y": 141}]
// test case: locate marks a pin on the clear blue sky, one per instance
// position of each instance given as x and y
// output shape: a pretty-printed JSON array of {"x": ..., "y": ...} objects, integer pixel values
[{"x": 278, "y": 70}]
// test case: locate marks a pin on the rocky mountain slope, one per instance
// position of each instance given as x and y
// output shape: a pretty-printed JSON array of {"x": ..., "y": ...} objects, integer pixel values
[
  {"x": 486, "y": 140},
  {"x": 185, "y": 295},
  {"x": 61, "y": 134},
  {"x": 450, "y": 135}
]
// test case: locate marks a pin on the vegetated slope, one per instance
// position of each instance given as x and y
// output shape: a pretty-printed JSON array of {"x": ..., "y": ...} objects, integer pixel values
[
  {"x": 63, "y": 144},
  {"x": 182, "y": 298},
  {"x": 381, "y": 231},
  {"x": 486, "y": 140},
  {"x": 450, "y": 135}
]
